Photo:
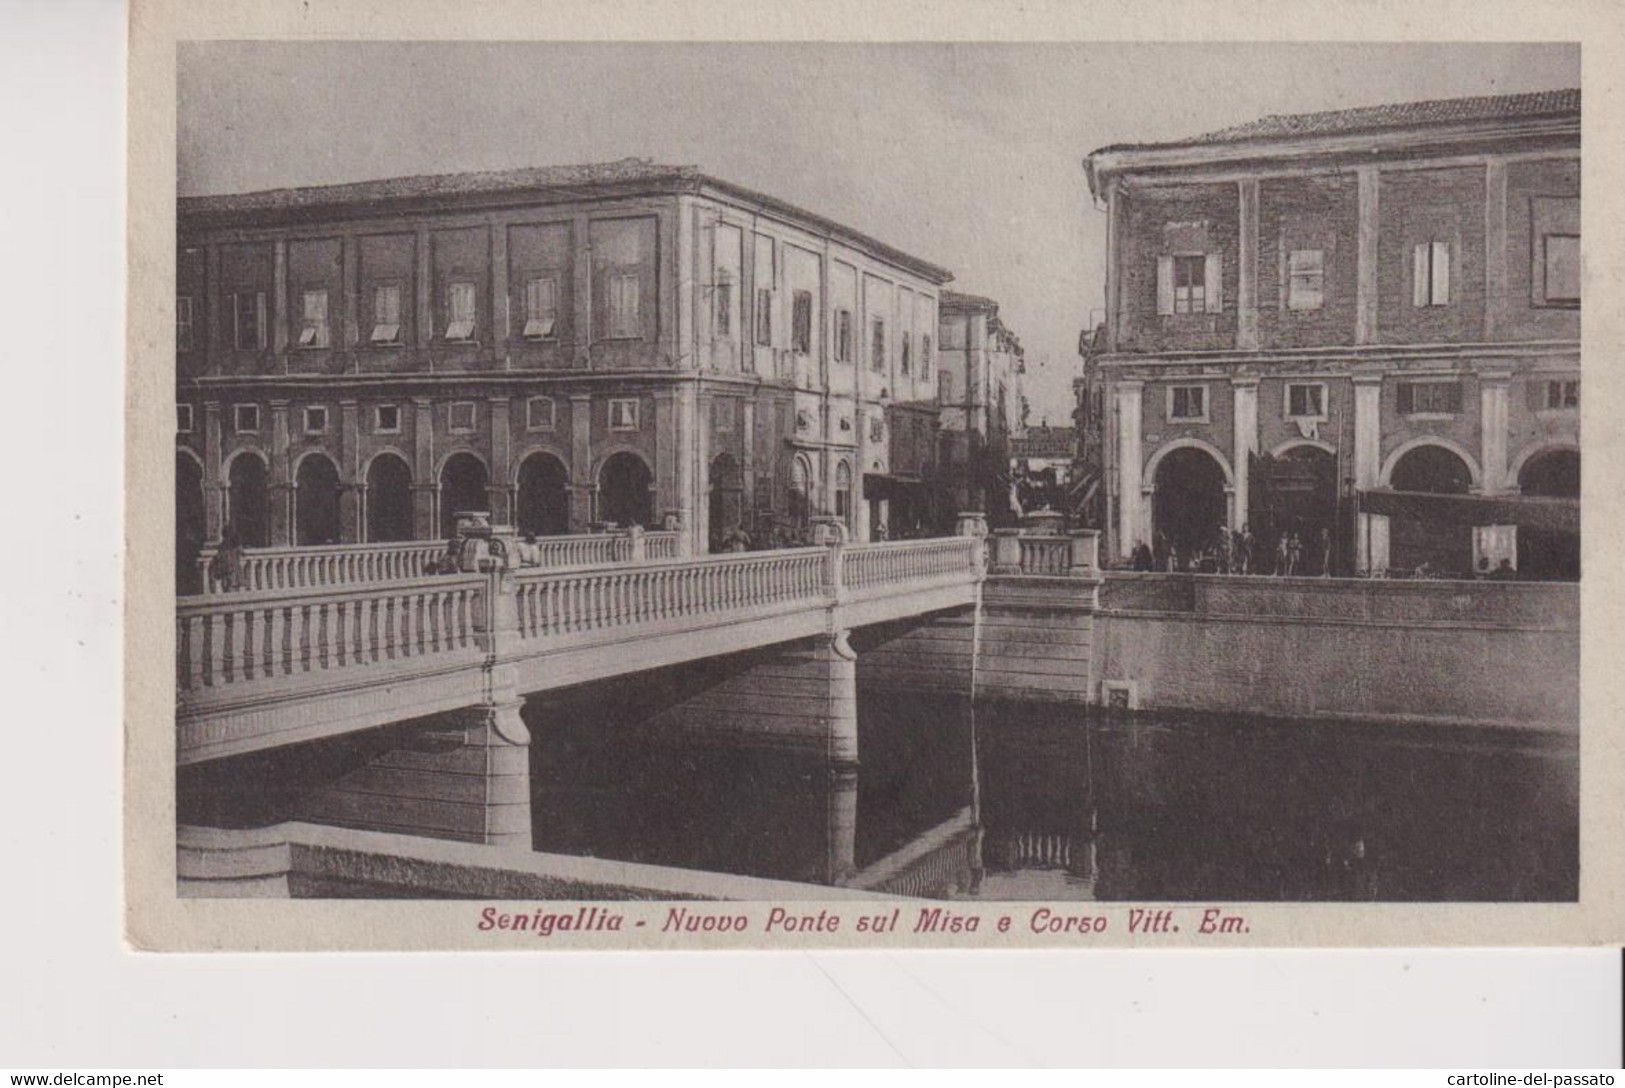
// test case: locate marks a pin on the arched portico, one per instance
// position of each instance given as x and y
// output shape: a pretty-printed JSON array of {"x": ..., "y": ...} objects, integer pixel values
[
  {"x": 248, "y": 505},
  {"x": 1413, "y": 455},
  {"x": 625, "y": 489}
]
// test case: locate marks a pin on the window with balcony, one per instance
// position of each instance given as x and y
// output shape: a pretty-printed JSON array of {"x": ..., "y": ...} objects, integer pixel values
[
  {"x": 541, "y": 307},
  {"x": 313, "y": 320}
]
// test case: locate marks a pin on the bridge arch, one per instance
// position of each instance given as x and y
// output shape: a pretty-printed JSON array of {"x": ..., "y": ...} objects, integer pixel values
[
  {"x": 1425, "y": 462},
  {"x": 542, "y": 494},
  {"x": 625, "y": 489},
  {"x": 248, "y": 497},
  {"x": 389, "y": 497},
  {"x": 316, "y": 500}
]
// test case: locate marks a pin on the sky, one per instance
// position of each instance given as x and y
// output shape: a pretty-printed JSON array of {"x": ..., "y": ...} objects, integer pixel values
[{"x": 968, "y": 155}]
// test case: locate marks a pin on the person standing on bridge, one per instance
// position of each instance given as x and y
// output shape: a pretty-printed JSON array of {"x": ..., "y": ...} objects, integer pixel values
[
  {"x": 226, "y": 568},
  {"x": 528, "y": 552}
]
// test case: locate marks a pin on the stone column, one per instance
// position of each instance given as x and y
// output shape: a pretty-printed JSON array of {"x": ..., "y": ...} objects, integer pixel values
[
  {"x": 425, "y": 487},
  {"x": 1367, "y": 257},
  {"x": 1244, "y": 394},
  {"x": 1247, "y": 278},
  {"x": 581, "y": 481},
  {"x": 1129, "y": 497},
  {"x": 215, "y": 484},
  {"x": 498, "y": 487},
  {"x": 1492, "y": 429},
  {"x": 1367, "y": 430},
  {"x": 281, "y": 482}
]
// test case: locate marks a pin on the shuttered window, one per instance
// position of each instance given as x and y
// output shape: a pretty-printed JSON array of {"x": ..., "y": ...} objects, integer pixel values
[
  {"x": 843, "y": 336},
  {"x": 1190, "y": 283},
  {"x": 764, "y": 317},
  {"x": 801, "y": 322},
  {"x": 460, "y": 311},
  {"x": 1420, "y": 398},
  {"x": 386, "y": 314},
  {"x": 541, "y": 307},
  {"x": 249, "y": 310},
  {"x": 1305, "y": 279},
  {"x": 313, "y": 328},
  {"x": 623, "y": 307},
  {"x": 1430, "y": 274}
]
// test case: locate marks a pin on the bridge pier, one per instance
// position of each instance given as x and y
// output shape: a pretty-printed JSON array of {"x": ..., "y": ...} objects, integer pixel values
[
  {"x": 801, "y": 695},
  {"x": 462, "y": 775}
]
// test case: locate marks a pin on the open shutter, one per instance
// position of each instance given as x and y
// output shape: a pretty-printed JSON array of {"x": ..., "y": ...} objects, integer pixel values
[
  {"x": 1213, "y": 282},
  {"x": 1420, "y": 278},
  {"x": 1165, "y": 285},
  {"x": 1441, "y": 273}
]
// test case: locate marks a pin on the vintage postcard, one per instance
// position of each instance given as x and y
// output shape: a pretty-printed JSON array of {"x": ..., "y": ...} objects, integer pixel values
[{"x": 1049, "y": 485}]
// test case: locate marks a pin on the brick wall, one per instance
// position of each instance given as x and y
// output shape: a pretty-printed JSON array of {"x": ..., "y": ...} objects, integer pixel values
[
  {"x": 1308, "y": 213},
  {"x": 1420, "y": 206},
  {"x": 1162, "y": 221}
]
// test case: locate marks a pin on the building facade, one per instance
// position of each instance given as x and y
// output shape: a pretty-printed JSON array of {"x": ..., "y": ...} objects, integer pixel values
[
  {"x": 980, "y": 396},
  {"x": 568, "y": 348},
  {"x": 1359, "y": 328}
]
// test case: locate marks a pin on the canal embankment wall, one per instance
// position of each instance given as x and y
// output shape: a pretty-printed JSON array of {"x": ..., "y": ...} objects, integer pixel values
[{"x": 1480, "y": 653}]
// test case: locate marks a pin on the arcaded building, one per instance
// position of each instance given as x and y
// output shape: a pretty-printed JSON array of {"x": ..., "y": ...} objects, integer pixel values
[
  {"x": 566, "y": 347},
  {"x": 1360, "y": 326}
]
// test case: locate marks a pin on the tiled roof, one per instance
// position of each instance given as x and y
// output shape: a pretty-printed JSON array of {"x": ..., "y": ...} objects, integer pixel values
[
  {"x": 1439, "y": 111},
  {"x": 433, "y": 185},
  {"x": 960, "y": 302},
  {"x": 567, "y": 181}
]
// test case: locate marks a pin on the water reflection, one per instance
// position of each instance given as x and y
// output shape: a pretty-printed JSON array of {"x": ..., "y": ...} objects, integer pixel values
[{"x": 1018, "y": 801}]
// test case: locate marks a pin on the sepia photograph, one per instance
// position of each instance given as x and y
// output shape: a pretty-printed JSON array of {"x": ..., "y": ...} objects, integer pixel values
[{"x": 876, "y": 482}]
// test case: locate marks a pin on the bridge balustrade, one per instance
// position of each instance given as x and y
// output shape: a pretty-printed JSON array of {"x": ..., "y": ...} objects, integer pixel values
[
  {"x": 283, "y": 568},
  {"x": 235, "y": 638}
]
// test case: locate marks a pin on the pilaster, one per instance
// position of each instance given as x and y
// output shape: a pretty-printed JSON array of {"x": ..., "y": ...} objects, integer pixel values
[
  {"x": 1244, "y": 395},
  {"x": 215, "y": 483},
  {"x": 1495, "y": 249},
  {"x": 499, "y": 484},
  {"x": 1368, "y": 180},
  {"x": 279, "y": 296},
  {"x": 280, "y": 484},
  {"x": 1129, "y": 497},
  {"x": 424, "y": 485},
  {"x": 1247, "y": 279},
  {"x": 425, "y": 288},
  {"x": 1492, "y": 428},
  {"x": 581, "y": 481},
  {"x": 1367, "y": 430}
]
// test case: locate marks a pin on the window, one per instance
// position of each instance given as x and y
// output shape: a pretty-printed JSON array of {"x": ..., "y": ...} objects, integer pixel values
[
  {"x": 801, "y": 322},
  {"x": 1429, "y": 398},
  {"x": 315, "y": 420},
  {"x": 1188, "y": 402},
  {"x": 460, "y": 311},
  {"x": 764, "y": 317},
  {"x": 1306, "y": 400},
  {"x": 1189, "y": 283},
  {"x": 843, "y": 491},
  {"x": 1563, "y": 394},
  {"x": 877, "y": 348},
  {"x": 725, "y": 303},
  {"x": 183, "y": 419},
  {"x": 386, "y": 314},
  {"x": 539, "y": 414},
  {"x": 925, "y": 356},
  {"x": 1560, "y": 269},
  {"x": 624, "y": 322},
  {"x": 245, "y": 418},
  {"x": 623, "y": 414},
  {"x": 877, "y": 429},
  {"x": 313, "y": 329},
  {"x": 843, "y": 336},
  {"x": 722, "y": 415},
  {"x": 460, "y": 417},
  {"x": 541, "y": 307},
  {"x": 249, "y": 310},
  {"x": 945, "y": 387},
  {"x": 386, "y": 419},
  {"x": 1305, "y": 279},
  {"x": 1430, "y": 274},
  {"x": 905, "y": 360},
  {"x": 183, "y": 323}
]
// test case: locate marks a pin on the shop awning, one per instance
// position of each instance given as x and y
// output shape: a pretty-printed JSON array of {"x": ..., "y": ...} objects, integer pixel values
[{"x": 1524, "y": 511}]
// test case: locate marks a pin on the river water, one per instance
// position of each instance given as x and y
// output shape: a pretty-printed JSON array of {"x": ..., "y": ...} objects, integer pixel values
[{"x": 1028, "y": 801}]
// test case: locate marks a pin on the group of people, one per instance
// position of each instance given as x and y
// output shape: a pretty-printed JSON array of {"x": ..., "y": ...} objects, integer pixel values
[{"x": 1236, "y": 551}]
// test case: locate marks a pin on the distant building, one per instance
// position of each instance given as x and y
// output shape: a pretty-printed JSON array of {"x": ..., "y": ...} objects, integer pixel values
[
  {"x": 978, "y": 389},
  {"x": 566, "y": 347},
  {"x": 1042, "y": 460},
  {"x": 1362, "y": 323}
]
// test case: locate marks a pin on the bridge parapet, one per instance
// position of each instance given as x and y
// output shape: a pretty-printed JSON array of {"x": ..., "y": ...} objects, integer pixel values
[{"x": 288, "y": 568}]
